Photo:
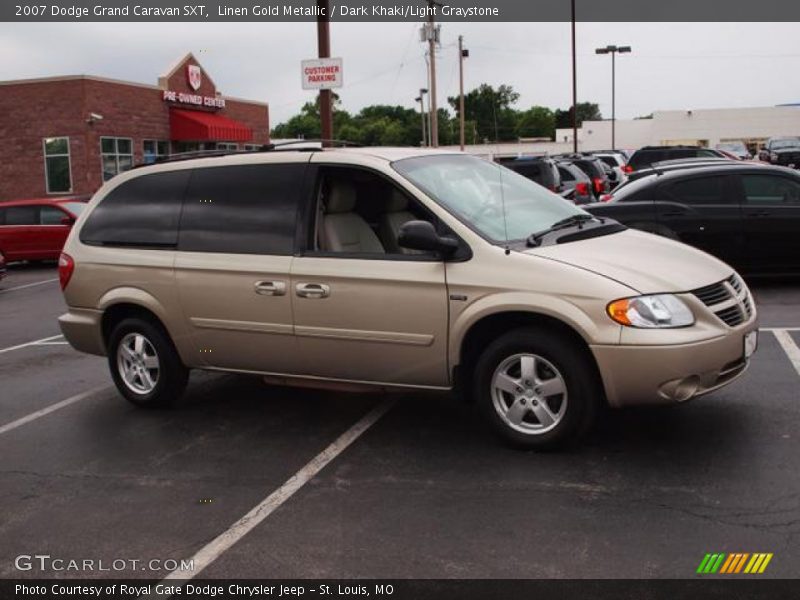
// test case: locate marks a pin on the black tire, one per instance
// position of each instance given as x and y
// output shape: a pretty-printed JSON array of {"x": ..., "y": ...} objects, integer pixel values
[
  {"x": 577, "y": 373},
  {"x": 171, "y": 376}
]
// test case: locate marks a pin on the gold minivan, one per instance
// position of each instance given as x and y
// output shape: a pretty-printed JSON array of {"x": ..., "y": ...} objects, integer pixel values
[{"x": 396, "y": 268}]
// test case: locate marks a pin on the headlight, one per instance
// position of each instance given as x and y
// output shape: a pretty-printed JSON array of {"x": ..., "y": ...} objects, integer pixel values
[
  {"x": 773, "y": 156},
  {"x": 657, "y": 311}
]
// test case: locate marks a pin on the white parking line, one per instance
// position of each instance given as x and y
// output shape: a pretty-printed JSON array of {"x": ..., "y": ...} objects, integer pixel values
[
  {"x": 49, "y": 409},
  {"x": 788, "y": 345},
  {"x": 211, "y": 551},
  {"x": 40, "y": 342},
  {"x": 28, "y": 285}
]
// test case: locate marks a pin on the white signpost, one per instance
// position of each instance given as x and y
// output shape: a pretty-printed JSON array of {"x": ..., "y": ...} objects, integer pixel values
[{"x": 322, "y": 73}]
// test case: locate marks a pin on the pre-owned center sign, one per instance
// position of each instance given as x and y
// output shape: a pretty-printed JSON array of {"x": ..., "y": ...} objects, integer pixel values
[{"x": 322, "y": 73}]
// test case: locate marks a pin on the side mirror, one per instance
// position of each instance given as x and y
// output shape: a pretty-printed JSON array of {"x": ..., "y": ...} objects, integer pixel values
[
  {"x": 69, "y": 221},
  {"x": 421, "y": 235}
]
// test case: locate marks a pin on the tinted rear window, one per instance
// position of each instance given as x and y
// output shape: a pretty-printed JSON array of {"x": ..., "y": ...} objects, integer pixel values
[
  {"x": 140, "y": 212},
  {"x": 247, "y": 209}
]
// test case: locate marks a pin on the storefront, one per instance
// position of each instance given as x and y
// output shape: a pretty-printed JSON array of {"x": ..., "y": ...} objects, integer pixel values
[{"x": 67, "y": 135}]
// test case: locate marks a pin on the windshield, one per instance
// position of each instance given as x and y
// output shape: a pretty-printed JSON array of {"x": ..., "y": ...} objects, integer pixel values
[
  {"x": 477, "y": 191},
  {"x": 785, "y": 144},
  {"x": 732, "y": 147},
  {"x": 76, "y": 208}
]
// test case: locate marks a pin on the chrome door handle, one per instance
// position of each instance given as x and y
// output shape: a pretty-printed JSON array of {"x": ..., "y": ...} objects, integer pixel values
[
  {"x": 313, "y": 290},
  {"x": 270, "y": 288}
]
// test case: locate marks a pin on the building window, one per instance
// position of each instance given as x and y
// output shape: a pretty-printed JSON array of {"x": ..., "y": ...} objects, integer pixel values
[
  {"x": 154, "y": 150},
  {"x": 227, "y": 146},
  {"x": 117, "y": 155},
  {"x": 252, "y": 147},
  {"x": 58, "y": 176}
]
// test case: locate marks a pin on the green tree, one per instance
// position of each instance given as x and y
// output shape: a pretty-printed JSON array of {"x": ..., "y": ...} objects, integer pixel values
[
  {"x": 587, "y": 111},
  {"x": 537, "y": 121},
  {"x": 491, "y": 110}
]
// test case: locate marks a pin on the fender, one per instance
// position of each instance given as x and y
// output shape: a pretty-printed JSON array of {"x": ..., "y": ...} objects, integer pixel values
[
  {"x": 559, "y": 308},
  {"x": 140, "y": 297}
]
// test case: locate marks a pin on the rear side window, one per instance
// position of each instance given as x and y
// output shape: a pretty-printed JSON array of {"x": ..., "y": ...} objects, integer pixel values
[
  {"x": 701, "y": 190},
  {"x": 246, "y": 209},
  {"x": 770, "y": 190},
  {"x": 50, "y": 215},
  {"x": 140, "y": 212},
  {"x": 609, "y": 160},
  {"x": 529, "y": 171}
]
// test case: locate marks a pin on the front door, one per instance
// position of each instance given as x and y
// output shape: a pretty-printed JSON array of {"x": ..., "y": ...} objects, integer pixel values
[
  {"x": 364, "y": 309},
  {"x": 704, "y": 212},
  {"x": 771, "y": 214}
]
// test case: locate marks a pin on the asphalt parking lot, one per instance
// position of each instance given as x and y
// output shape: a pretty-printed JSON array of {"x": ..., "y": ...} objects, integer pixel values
[{"x": 416, "y": 488}]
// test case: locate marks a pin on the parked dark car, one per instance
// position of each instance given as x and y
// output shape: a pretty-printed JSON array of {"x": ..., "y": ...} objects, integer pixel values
[
  {"x": 745, "y": 214},
  {"x": 542, "y": 170},
  {"x": 782, "y": 151},
  {"x": 647, "y": 155},
  {"x": 595, "y": 168},
  {"x": 574, "y": 179}
]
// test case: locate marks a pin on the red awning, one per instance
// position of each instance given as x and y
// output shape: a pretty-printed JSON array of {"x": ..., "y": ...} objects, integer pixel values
[{"x": 195, "y": 125}]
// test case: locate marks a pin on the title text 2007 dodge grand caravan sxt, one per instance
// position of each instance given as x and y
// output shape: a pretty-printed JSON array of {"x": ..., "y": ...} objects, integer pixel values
[{"x": 398, "y": 268}]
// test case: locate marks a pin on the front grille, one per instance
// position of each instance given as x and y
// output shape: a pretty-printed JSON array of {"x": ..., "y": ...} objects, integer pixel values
[
  {"x": 731, "y": 316},
  {"x": 712, "y": 294},
  {"x": 788, "y": 159},
  {"x": 729, "y": 300}
]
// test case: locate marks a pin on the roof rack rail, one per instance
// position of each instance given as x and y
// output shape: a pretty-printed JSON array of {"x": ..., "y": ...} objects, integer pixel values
[
  {"x": 321, "y": 141},
  {"x": 279, "y": 147}
]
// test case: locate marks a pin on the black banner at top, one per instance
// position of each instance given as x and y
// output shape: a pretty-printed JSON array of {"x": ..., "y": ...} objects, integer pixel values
[{"x": 398, "y": 10}]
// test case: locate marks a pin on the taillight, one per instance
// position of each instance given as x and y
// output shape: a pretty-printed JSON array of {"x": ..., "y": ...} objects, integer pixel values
[
  {"x": 582, "y": 189},
  {"x": 65, "y": 268},
  {"x": 598, "y": 184},
  {"x": 627, "y": 169},
  {"x": 606, "y": 198}
]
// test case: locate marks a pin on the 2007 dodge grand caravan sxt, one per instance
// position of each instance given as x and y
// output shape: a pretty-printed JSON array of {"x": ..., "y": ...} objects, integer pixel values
[{"x": 396, "y": 268}]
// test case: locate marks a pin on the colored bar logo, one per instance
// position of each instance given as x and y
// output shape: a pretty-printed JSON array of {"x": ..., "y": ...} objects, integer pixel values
[{"x": 737, "y": 562}]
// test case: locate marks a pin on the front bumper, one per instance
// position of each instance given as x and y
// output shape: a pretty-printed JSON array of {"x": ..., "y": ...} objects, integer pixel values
[
  {"x": 648, "y": 374},
  {"x": 82, "y": 328}
]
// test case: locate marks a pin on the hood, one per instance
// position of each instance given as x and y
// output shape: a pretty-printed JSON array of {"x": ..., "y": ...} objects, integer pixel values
[{"x": 645, "y": 262}]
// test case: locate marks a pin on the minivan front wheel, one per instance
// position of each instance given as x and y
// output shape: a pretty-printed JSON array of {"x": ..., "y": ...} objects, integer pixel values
[
  {"x": 144, "y": 364},
  {"x": 536, "y": 388}
]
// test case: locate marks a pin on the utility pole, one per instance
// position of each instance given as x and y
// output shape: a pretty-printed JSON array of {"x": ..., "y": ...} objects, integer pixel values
[
  {"x": 613, "y": 50},
  {"x": 324, "y": 51},
  {"x": 462, "y": 54},
  {"x": 434, "y": 130},
  {"x": 574, "y": 86},
  {"x": 421, "y": 100}
]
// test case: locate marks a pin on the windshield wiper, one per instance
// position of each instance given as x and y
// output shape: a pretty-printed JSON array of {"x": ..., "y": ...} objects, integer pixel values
[{"x": 575, "y": 220}]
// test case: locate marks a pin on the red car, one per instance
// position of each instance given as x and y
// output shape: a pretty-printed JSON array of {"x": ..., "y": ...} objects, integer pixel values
[{"x": 36, "y": 229}]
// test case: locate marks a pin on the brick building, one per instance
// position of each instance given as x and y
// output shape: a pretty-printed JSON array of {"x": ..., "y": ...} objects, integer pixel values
[{"x": 67, "y": 135}]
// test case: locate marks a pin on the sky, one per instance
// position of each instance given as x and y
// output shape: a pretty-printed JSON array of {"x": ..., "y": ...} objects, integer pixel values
[{"x": 679, "y": 66}]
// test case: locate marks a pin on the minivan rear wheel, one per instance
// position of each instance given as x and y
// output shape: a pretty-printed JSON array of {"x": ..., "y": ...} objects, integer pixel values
[
  {"x": 144, "y": 364},
  {"x": 537, "y": 388}
]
